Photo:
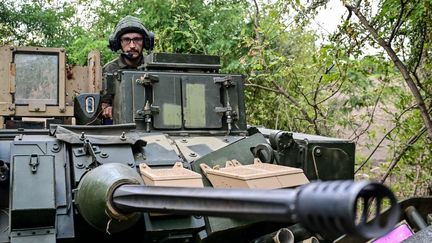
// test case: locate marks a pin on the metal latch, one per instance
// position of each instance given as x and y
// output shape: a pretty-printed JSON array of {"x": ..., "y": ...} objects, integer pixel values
[
  {"x": 230, "y": 115},
  {"x": 226, "y": 81},
  {"x": 147, "y": 79},
  {"x": 88, "y": 149},
  {"x": 34, "y": 162}
]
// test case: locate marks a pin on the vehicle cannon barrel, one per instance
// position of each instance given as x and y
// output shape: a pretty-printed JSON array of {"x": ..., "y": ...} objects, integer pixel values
[{"x": 328, "y": 208}]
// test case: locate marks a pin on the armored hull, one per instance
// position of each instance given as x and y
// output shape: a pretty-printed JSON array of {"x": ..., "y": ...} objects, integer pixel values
[{"x": 180, "y": 163}]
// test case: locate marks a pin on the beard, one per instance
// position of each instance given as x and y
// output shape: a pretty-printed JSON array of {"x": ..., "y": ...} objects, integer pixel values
[{"x": 132, "y": 55}]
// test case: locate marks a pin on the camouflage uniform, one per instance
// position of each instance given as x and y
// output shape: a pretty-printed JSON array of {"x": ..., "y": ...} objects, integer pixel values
[
  {"x": 113, "y": 66},
  {"x": 117, "y": 64}
]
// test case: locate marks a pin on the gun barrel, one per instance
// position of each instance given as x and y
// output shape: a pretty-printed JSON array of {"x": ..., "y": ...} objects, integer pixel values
[
  {"x": 329, "y": 208},
  {"x": 277, "y": 205},
  {"x": 111, "y": 197}
]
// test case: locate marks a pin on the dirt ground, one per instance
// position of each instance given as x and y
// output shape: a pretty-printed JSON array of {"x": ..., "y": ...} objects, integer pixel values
[{"x": 377, "y": 165}]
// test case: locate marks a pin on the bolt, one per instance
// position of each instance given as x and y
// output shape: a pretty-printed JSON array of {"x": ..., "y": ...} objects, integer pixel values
[
  {"x": 80, "y": 165},
  {"x": 226, "y": 140},
  {"x": 131, "y": 164},
  {"x": 318, "y": 152},
  {"x": 123, "y": 136},
  {"x": 104, "y": 155},
  {"x": 184, "y": 140},
  {"x": 55, "y": 147},
  {"x": 193, "y": 154},
  {"x": 82, "y": 136}
]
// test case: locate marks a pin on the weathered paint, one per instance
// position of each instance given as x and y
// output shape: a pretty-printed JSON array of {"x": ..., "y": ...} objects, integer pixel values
[
  {"x": 171, "y": 114},
  {"x": 194, "y": 110},
  {"x": 8, "y": 71}
]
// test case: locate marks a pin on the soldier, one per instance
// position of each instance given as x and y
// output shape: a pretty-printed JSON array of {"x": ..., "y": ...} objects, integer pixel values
[{"x": 129, "y": 39}]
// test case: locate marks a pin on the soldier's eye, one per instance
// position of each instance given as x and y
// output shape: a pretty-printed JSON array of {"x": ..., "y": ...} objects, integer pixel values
[{"x": 136, "y": 40}]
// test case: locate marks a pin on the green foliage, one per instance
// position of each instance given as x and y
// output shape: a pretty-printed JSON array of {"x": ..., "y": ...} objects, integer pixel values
[
  {"x": 293, "y": 84},
  {"x": 405, "y": 26},
  {"x": 36, "y": 23}
]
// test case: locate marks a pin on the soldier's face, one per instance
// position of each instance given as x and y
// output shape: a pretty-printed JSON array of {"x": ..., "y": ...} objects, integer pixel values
[{"x": 132, "y": 43}]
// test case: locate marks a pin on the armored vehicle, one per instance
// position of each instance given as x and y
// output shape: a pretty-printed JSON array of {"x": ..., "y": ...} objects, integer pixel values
[{"x": 179, "y": 164}]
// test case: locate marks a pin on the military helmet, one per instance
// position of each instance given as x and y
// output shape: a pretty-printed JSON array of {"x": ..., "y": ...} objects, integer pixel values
[{"x": 130, "y": 24}]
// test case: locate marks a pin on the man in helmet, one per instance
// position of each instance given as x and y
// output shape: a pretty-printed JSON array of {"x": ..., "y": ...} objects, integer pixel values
[{"x": 129, "y": 39}]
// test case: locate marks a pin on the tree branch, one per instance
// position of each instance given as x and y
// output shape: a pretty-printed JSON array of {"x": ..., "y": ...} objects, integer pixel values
[
  {"x": 399, "y": 64},
  {"x": 420, "y": 55},
  {"x": 408, "y": 145},
  {"x": 197, "y": 36},
  {"x": 418, "y": 173},
  {"x": 398, "y": 23},
  {"x": 262, "y": 87},
  {"x": 382, "y": 139},
  {"x": 332, "y": 94},
  {"x": 256, "y": 23},
  {"x": 281, "y": 91},
  {"x": 363, "y": 131},
  {"x": 295, "y": 103}
]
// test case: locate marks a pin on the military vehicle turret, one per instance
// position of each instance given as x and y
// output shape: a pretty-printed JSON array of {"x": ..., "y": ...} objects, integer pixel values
[{"x": 179, "y": 164}]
